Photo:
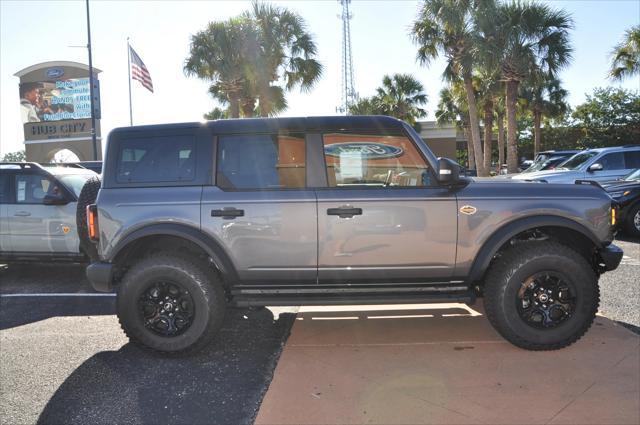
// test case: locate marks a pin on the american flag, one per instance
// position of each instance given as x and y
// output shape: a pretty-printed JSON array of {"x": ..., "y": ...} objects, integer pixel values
[{"x": 139, "y": 71}]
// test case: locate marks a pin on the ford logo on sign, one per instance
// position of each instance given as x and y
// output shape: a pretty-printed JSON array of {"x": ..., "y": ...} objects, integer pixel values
[
  {"x": 371, "y": 150},
  {"x": 55, "y": 72}
]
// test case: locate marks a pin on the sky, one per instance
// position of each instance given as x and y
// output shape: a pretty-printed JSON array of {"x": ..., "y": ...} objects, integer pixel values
[{"x": 32, "y": 32}]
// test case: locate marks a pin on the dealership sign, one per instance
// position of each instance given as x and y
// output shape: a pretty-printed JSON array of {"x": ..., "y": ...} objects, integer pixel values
[
  {"x": 368, "y": 150},
  {"x": 55, "y": 101},
  {"x": 55, "y": 72}
]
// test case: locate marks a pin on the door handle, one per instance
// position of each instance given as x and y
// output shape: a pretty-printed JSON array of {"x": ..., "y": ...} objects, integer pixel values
[
  {"x": 22, "y": 214},
  {"x": 228, "y": 213},
  {"x": 344, "y": 212}
]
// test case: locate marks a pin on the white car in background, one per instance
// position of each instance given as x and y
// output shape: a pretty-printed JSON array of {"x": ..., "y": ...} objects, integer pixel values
[{"x": 38, "y": 212}]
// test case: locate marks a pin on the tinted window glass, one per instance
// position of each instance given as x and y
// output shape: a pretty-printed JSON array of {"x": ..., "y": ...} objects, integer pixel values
[
  {"x": 577, "y": 160},
  {"x": 32, "y": 188},
  {"x": 632, "y": 159},
  {"x": 157, "y": 160},
  {"x": 612, "y": 161},
  {"x": 261, "y": 162},
  {"x": 4, "y": 188},
  {"x": 387, "y": 161}
]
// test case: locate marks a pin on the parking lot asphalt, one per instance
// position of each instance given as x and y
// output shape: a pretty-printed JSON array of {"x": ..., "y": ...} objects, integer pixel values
[{"x": 64, "y": 359}]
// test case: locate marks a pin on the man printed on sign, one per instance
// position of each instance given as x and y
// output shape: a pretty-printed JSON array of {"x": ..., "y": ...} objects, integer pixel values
[{"x": 29, "y": 99}]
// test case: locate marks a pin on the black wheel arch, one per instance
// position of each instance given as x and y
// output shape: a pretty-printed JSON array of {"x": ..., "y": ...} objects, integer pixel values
[
  {"x": 206, "y": 243},
  {"x": 519, "y": 226}
]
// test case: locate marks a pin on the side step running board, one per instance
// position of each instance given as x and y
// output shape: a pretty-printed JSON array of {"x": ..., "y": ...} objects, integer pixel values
[{"x": 246, "y": 300}]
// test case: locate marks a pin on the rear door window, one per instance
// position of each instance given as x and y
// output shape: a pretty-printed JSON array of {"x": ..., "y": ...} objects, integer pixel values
[
  {"x": 164, "y": 159},
  {"x": 261, "y": 161},
  {"x": 632, "y": 159}
]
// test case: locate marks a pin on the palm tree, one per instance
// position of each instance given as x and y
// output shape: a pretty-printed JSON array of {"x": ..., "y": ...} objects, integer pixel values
[
  {"x": 447, "y": 27},
  {"x": 216, "y": 114},
  {"x": 544, "y": 97},
  {"x": 246, "y": 57},
  {"x": 626, "y": 55},
  {"x": 452, "y": 108},
  {"x": 287, "y": 54},
  {"x": 500, "y": 111},
  {"x": 401, "y": 96},
  {"x": 489, "y": 94},
  {"x": 220, "y": 54},
  {"x": 365, "y": 106},
  {"x": 523, "y": 37}
]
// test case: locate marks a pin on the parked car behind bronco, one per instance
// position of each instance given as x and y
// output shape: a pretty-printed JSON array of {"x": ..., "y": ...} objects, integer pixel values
[
  {"x": 193, "y": 218},
  {"x": 38, "y": 212}
]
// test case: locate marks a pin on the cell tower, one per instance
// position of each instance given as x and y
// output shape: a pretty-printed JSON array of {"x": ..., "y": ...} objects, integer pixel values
[{"x": 348, "y": 92}]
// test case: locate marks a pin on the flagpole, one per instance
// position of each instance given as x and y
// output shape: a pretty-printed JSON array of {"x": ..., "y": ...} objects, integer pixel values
[
  {"x": 129, "y": 73},
  {"x": 93, "y": 112}
]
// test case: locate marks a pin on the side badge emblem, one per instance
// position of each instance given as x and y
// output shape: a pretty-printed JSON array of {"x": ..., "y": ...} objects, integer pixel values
[{"x": 468, "y": 210}]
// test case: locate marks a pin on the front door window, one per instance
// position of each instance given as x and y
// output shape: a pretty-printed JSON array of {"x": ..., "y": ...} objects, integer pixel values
[{"x": 373, "y": 160}]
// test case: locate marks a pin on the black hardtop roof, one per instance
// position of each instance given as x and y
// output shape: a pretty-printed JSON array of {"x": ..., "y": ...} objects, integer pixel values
[{"x": 265, "y": 125}]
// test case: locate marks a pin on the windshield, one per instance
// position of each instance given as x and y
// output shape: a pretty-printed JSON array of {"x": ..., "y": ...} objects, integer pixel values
[
  {"x": 576, "y": 160},
  {"x": 540, "y": 165},
  {"x": 74, "y": 182},
  {"x": 634, "y": 175}
]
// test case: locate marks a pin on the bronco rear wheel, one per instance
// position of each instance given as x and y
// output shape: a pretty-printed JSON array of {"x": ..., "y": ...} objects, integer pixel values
[
  {"x": 169, "y": 303},
  {"x": 541, "y": 295}
]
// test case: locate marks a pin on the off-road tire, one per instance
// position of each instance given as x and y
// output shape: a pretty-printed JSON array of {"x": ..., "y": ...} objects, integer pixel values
[
  {"x": 506, "y": 276},
  {"x": 629, "y": 225},
  {"x": 88, "y": 196},
  {"x": 206, "y": 291}
]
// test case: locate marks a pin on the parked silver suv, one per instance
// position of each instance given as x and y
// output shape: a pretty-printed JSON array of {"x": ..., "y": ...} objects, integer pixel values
[
  {"x": 601, "y": 165},
  {"x": 38, "y": 211},
  {"x": 192, "y": 218}
]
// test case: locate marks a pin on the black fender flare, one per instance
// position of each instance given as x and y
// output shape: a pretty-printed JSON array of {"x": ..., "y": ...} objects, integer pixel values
[
  {"x": 192, "y": 234},
  {"x": 506, "y": 232}
]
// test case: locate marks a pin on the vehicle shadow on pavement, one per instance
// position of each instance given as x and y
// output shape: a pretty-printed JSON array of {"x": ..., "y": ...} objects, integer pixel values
[
  {"x": 43, "y": 278},
  {"x": 18, "y": 311},
  {"x": 224, "y": 383}
]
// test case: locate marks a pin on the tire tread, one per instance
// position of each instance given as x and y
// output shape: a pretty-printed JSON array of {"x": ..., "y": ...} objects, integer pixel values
[
  {"x": 212, "y": 289},
  {"x": 506, "y": 266}
]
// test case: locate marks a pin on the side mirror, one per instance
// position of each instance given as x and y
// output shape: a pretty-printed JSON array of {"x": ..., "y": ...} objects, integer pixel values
[
  {"x": 55, "y": 200},
  {"x": 448, "y": 171},
  {"x": 595, "y": 167}
]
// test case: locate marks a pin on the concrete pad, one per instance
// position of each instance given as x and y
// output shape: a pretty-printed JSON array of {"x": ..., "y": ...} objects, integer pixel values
[{"x": 444, "y": 363}]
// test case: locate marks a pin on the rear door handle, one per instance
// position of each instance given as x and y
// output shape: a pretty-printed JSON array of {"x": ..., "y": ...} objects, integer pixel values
[
  {"x": 344, "y": 212},
  {"x": 22, "y": 214},
  {"x": 228, "y": 213}
]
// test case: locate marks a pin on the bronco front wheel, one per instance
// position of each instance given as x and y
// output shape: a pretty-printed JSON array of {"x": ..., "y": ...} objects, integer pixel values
[
  {"x": 541, "y": 295},
  {"x": 169, "y": 303}
]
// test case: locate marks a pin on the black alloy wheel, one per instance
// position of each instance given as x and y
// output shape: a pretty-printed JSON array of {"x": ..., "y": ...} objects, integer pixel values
[
  {"x": 545, "y": 300},
  {"x": 171, "y": 302},
  {"x": 166, "y": 308}
]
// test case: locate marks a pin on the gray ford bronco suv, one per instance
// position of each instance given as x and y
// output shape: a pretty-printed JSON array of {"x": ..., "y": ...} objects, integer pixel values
[{"x": 193, "y": 218}]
